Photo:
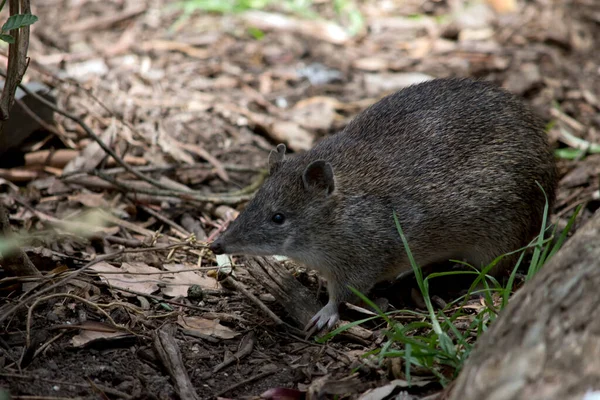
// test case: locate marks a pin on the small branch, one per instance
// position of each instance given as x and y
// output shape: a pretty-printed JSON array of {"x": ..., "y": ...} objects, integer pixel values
[
  {"x": 246, "y": 381},
  {"x": 168, "y": 352},
  {"x": 17, "y": 59},
  {"x": 61, "y": 282},
  {"x": 93, "y": 136},
  {"x": 246, "y": 347},
  {"x": 72, "y": 296},
  {"x": 184, "y": 196}
]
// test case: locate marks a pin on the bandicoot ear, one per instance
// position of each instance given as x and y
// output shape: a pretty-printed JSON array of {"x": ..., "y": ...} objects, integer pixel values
[
  {"x": 319, "y": 175},
  {"x": 276, "y": 156}
]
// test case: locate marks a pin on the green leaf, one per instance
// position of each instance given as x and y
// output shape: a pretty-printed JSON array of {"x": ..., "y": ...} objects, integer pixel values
[
  {"x": 569, "y": 153},
  {"x": 18, "y": 21},
  {"x": 7, "y": 38},
  {"x": 256, "y": 33}
]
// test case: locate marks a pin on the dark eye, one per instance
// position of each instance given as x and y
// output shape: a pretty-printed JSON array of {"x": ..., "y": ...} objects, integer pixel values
[{"x": 278, "y": 218}]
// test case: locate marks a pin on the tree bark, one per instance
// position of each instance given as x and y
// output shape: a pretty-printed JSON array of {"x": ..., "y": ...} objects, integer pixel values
[{"x": 546, "y": 343}]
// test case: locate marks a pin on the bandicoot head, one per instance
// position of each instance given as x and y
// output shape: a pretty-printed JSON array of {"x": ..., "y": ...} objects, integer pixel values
[{"x": 281, "y": 219}]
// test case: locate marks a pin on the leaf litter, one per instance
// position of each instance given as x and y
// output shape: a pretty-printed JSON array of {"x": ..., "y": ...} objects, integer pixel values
[{"x": 196, "y": 108}]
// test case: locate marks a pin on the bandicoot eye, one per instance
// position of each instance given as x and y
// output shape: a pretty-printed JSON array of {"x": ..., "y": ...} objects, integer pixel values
[{"x": 278, "y": 218}]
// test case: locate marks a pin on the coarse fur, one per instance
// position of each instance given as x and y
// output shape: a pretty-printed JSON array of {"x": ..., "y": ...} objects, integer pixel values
[{"x": 456, "y": 159}]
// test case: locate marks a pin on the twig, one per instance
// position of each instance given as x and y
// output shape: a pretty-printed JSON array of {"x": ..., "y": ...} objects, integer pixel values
[
  {"x": 22, "y": 303},
  {"x": 238, "y": 286},
  {"x": 167, "y": 221},
  {"x": 245, "y": 381},
  {"x": 168, "y": 352},
  {"x": 165, "y": 168},
  {"x": 184, "y": 196},
  {"x": 252, "y": 187},
  {"x": 92, "y": 135},
  {"x": 72, "y": 296},
  {"x": 246, "y": 347}
]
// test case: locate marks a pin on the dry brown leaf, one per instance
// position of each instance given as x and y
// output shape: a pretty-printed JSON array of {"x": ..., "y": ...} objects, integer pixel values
[
  {"x": 92, "y": 155},
  {"x": 173, "y": 147},
  {"x": 86, "y": 336},
  {"x": 320, "y": 30},
  {"x": 90, "y": 199},
  {"x": 210, "y": 327},
  {"x": 177, "y": 285},
  {"x": 503, "y": 6},
  {"x": 371, "y": 64},
  {"x": 201, "y": 152},
  {"x": 169, "y": 45},
  {"x": 134, "y": 276},
  {"x": 125, "y": 277},
  {"x": 378, "y": 84},
  {"x": 316, "y": 112}
]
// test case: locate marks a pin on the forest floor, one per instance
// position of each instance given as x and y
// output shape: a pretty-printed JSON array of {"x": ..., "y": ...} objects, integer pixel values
[{"x": 197, "y": 103}]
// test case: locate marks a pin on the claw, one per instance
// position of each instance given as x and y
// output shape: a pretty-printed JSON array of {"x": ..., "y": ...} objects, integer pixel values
[{"x": 326, "y": 317}]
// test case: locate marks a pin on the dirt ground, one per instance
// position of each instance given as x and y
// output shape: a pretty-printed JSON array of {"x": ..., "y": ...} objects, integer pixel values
[{"x": 199, "y": 103}]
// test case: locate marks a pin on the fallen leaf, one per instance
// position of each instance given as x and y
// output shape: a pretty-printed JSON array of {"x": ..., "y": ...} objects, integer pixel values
[
  {"x": 377, "y": 84},
  {"x": 383, "y": 392},
  {"x": 88, "y": 336},
  {"x": 92, "y": 155},
  {"x": 93, "y": 330},
  {"x": 93, "y": 200},
  {"x": 177, "y": 285},
  {"x": 503, "y": 6},
  {"x": 209, "y": 327},
  {"x": 315, "y": 113},
  {"x": 320, "y": 30},
  {"x": 125, "y": 277}
]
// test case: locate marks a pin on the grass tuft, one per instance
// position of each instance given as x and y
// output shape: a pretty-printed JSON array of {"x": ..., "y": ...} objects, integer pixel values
[{"x": 441, "y": 341}]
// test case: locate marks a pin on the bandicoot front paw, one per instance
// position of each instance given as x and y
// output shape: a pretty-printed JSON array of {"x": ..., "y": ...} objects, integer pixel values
[{"x": 327, "y": 317}]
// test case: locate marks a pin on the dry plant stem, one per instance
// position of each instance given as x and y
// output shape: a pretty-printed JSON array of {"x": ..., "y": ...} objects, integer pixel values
[
  {"x": 184, "y": 196},
  {"x": 71, "y": 296},
  {"x": 16, "y": 263},
  {"x": 17, "y": 59},
  {"x": 95, "y": 137},
  {"x": 167, "y": 168},
  {"x": 70, "y": 276},
  {"x": 167, "y": 350},
  {"x": 245, "y": 381},
  {"x": 87, "y": 91},
  {"x": 162, "y": 272},
  {"x": 299, "y": 301},
  {"x": 246, "y": 347},
  {"x": 253, "y": 187},
  {"x": 166, "y": 220},
  {"x": 238, "y": 286}
]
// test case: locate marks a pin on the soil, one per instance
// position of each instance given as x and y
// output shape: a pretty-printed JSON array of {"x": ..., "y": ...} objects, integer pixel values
[{"x": 200, "y": 102}]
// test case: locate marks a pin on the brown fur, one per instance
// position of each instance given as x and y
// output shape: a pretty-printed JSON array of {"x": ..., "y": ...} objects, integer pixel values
[{"x": 456, "y": 159}]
